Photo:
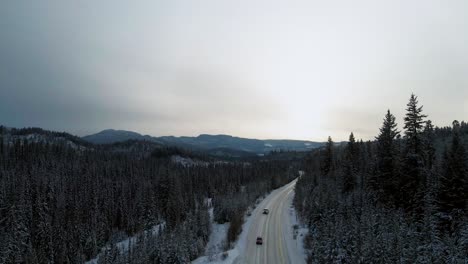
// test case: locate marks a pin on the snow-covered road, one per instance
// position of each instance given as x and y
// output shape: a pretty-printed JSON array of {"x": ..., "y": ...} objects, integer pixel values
[{"x": 276, "y": 230}]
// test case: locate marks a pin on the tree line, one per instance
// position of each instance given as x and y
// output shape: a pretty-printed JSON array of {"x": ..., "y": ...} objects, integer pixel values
[{"x": 401, "y": 198}]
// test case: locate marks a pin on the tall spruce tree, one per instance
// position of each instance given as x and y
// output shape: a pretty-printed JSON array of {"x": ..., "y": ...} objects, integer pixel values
[
  {"x": 411, "y": 184},
  {"x": 386, "y": 179},
  {"x": 414, "y": 125},
  {"x": 428, "y": 143},
  {"x": 453, "y": 183},
  {"x": 350, "y": 169},
  {"x": 328, "y": 157}
]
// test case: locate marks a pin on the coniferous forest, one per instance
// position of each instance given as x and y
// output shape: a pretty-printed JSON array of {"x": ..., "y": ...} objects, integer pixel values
[
  {"x": 62, "y": 204},
  {"x": 401, "y": 198},
  {"x": 234, "y": 132}
]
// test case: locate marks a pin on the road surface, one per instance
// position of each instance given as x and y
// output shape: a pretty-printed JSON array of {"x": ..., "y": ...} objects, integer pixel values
[{"x": 276, "y": 230}]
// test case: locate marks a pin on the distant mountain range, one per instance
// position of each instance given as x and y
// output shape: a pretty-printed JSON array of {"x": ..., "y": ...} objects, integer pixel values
[{"x": 221, "y": 144}]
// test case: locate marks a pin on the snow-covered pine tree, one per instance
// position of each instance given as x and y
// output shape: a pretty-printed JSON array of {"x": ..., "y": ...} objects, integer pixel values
[
  {"x": 452, "y": 194},
  {"x": 414, "y": 126},
  {"x": 328, "y": 161},
  {"x": 413, "y": 178},
  {"x": 350, "y": 164},
  {"x": 385, "y": 180},
  {"x": 428, "y": 143}
]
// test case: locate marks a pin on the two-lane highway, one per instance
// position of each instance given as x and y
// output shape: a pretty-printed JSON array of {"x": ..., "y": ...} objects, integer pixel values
[{"x": 274, "y": 228}]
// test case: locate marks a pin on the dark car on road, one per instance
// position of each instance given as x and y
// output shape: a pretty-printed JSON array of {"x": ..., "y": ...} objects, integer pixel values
[
  {"x": 266, "y": 211},
  {"x": 259, "y": 241}
]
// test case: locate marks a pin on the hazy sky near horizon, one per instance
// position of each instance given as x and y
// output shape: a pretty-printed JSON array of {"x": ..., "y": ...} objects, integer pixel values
[{"x": 259, "y": 69}]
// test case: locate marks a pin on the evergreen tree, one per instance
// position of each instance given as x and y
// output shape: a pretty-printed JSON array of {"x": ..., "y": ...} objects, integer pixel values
[
  {"x": 414, "y": 125},
  {"x": 411, "y": 191},
  {"x": 328, "y": 157},
  {"x": 356, "y": 228},
  {"x": 385, "y": 180},
  {"x": 350, "y": 169},
  {"x": 452, "y": 194},
  {"x": 352, "y": 147}
]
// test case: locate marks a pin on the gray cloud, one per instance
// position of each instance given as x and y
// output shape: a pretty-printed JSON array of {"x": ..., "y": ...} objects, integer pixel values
[{"x": 267, "y": 69}]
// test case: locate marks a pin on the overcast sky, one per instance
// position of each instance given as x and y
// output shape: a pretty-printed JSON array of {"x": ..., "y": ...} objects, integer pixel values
[{"x": 261, "y": 69}]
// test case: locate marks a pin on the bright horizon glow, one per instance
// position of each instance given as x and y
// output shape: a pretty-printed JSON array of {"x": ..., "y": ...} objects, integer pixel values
[{"x": 256, "y": 69}]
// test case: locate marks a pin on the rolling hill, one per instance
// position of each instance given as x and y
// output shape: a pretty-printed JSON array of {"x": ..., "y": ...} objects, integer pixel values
[{"x": 207, "y": 142}]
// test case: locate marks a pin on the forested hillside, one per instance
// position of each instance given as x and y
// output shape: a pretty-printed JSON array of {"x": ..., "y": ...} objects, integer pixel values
[
  {"x": 218, "y": 145},
  {"x": 62, "y": 203},
  {"x": 399, "y": 199}
]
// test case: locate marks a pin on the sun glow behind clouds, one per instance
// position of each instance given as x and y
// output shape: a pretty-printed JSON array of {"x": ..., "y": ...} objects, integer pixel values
[{"x": 265, "y": 69}]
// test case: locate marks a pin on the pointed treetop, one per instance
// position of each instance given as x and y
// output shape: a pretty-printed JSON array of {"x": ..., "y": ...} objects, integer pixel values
[
  {"x": 351, "y": 138},
  {"x": 389, "y": 130},
  {"x": 414, "y": 125}
]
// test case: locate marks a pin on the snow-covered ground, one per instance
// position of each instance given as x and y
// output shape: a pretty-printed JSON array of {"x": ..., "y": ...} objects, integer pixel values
[
  {"x": 188, "y": 162},
  {"x": 216, "y": 243},
  {"x": 125, "y": 244},
  {"x": 295, "y": 241},
  {"x": 298, "y": 230},
  {"x": 217, "y": 240}
]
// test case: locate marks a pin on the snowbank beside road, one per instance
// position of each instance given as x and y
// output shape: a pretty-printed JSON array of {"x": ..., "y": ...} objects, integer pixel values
[
  {"x": 216, "y": 243},
  {"x": 295, "y": 234},
  {"x": 218, "y": 238}
]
